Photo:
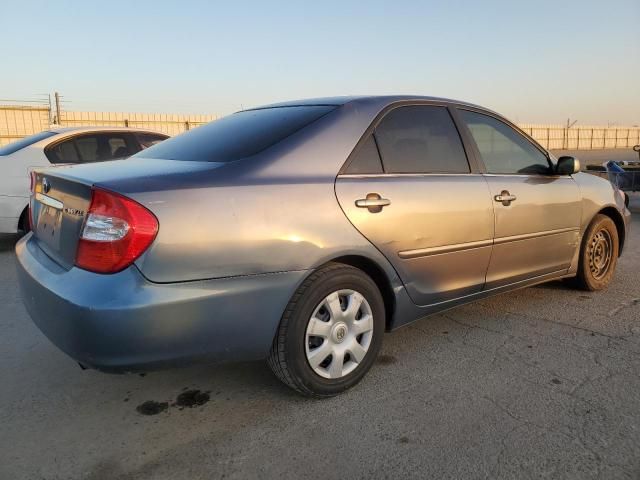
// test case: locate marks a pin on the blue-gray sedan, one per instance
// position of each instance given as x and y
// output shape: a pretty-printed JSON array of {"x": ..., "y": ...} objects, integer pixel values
[{"x": 301, "y": 232}]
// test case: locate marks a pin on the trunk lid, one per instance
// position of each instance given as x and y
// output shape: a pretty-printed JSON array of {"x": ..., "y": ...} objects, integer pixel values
[
  {"x": 62, "y": 196},
  {"x": 58, "y": 208}
]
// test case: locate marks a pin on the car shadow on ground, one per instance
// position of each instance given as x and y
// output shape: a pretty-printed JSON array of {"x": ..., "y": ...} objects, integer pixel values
[
  {"x": 220, "y": 383},
  {"x": 556, "y": 285},
  {"x": 225, "y": 385},
  {"x": 8, "y": 241}
]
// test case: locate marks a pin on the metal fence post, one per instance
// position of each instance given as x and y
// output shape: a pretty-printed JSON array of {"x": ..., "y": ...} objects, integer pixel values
[
  {"x": 548, "y": 138},
  {"x": 57, "y": 97}
]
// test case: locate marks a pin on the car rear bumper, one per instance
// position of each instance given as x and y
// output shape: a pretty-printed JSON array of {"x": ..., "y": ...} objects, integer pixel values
[
  {"x": 123, "y": 322},
  {"x": 9, "y": 224}
]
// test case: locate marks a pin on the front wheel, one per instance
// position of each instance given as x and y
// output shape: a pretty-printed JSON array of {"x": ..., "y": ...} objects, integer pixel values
[
  {"x": 330, "y": 333},
  {"x": 598, "y": 254}
]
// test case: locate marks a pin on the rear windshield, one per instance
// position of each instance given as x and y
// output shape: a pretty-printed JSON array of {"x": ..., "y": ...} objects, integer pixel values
[
  {"x": 25, "y": 142},
  {"x": 237, "y": 136}
]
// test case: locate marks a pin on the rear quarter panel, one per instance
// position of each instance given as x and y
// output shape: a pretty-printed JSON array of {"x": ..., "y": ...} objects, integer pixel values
[
  {"x": 228, "y": 231},
  {"x": 14, "y": 180},
  {"x": 273, "y": 212},
  {"x": 14, "y": 184}
]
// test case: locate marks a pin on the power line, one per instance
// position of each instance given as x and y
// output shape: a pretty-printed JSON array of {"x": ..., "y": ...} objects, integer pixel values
[{"x": 22, "y": 101}]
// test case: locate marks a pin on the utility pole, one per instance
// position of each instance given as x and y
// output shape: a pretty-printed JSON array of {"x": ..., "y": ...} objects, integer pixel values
[
  {"x": 57, "y": 107},
  {"x": 566, "y": 132}
]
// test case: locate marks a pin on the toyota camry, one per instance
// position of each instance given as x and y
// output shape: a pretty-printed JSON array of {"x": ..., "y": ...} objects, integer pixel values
[{"x": 300, "y": 232}]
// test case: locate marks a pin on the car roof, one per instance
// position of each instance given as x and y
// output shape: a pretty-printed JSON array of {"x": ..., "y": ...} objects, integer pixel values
[
  {"x": 57, "y": 129},
  {"x": 381, "y": 99}
]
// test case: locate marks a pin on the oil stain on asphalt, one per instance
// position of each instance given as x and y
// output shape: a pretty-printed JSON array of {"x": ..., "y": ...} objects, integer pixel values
[
  {"x": 187, "y": 399},
  {"x": 152, "y": 408},
  {"x": 386, "y": 359},
  {"x": 191, "y": 398}
]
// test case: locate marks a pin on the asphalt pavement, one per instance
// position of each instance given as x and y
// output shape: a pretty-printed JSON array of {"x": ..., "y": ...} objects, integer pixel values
[
  {"x": 539, "y": 383},
  {"x": 597, "y": 157}
]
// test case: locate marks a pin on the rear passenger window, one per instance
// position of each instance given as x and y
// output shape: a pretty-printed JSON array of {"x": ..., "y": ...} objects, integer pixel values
[
  {"x": 90, "y": 148},
  {"x": 102, "y": 147},
  {"x": 149, "y": 140},
  {"x": 366, "y": 159},
  {"x": 420, "y": 139},
  {"x": 64, "y": 152},
  {"x": 118, "y": 147}
]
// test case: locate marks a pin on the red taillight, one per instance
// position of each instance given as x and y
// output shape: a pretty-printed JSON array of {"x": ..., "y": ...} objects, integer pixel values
[{"x": 116, "y": 232}]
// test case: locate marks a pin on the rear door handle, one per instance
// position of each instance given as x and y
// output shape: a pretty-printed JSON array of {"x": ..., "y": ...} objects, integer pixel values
[
  {"x": 373, "y": 202},
  {"x": 378, "y": 202},
  {"x": 505, "y": 198}
]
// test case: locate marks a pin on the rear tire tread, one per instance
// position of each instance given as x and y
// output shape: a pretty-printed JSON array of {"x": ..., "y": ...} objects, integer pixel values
[{"x": 277, "y": 357}]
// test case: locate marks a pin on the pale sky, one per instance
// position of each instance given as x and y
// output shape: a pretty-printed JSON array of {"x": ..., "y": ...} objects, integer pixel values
[{"x": 534, "y": 61}]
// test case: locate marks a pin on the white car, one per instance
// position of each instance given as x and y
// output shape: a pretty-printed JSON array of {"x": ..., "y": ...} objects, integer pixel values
[{"x": 58, "y": 147}]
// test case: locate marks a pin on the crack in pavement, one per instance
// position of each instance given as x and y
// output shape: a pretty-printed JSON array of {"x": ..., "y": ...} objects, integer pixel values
[{"x": 623, "y": 305}]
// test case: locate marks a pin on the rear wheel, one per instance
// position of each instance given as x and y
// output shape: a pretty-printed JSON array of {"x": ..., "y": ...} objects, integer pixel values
[
  {"x": 23, "y": 222},
  {"x": 598, "y": 254},
  {"x": 330, "y": 333}
]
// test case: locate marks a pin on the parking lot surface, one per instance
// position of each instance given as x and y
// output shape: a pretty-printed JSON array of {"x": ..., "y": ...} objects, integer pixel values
[
  {"x": 597, "y": 157},
  {"x": 539, "y": 383}
]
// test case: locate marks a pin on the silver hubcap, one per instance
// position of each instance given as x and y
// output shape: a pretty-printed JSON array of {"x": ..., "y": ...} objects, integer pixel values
[{"x": 339, "y": 334}]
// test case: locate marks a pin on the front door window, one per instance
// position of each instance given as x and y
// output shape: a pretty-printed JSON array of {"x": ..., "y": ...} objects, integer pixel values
[{"x": 503, "y": 150}]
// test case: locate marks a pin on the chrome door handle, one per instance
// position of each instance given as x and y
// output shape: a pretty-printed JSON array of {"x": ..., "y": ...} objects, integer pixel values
[
  {"x": 505, "y": 198},
  {"x": 373, "y": 202},
  {"x": 379, "y": 202}
]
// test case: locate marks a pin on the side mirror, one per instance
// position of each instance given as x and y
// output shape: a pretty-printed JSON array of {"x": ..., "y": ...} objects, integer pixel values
[{"x": 567, "y": 166}]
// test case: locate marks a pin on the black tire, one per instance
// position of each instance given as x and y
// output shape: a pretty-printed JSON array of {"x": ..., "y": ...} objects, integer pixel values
[
  {"x": 601, "y": 231},
  {"x": 23, "y": 222},
  {"x": 288, "y": 358}
]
